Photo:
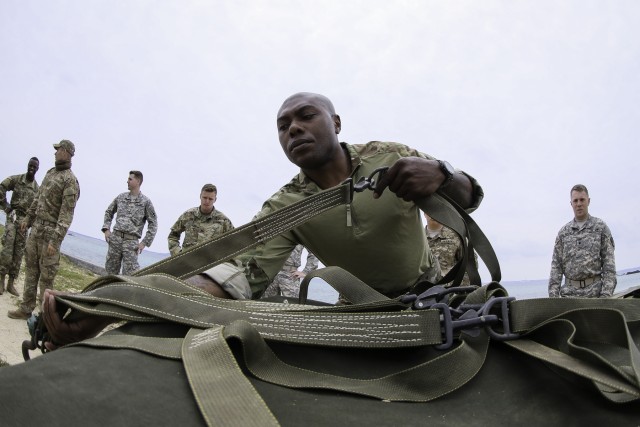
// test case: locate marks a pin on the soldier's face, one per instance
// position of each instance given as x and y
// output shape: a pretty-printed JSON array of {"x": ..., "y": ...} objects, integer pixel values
[
  {"x": 308, "y": 131},
  {"x": 62, "y": 154},
  {"x": 32, "y": 167},
  {"x": 580, "y": 203},
  {"x": 207, "y": 199},
  {"x": 133, "y": 183}
]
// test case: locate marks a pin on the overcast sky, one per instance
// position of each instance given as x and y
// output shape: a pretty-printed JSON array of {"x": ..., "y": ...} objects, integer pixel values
[{"x": 530, "y": 97}]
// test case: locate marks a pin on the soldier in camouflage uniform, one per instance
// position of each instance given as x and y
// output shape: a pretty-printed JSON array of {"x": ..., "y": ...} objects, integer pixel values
[
  {"x": 199, "y": 224},
  {"x": 133, "y": 210},
  {"x": 287, "y": 281},
  {"x": 445, "y": 244},
  {"x": 49, "y": 217},
  {"x": 583, "y": 253},
  {"x": 24, "y": 188}
]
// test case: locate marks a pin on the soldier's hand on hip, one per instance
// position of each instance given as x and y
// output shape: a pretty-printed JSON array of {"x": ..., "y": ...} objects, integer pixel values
[{"x": 51, "y": 250}]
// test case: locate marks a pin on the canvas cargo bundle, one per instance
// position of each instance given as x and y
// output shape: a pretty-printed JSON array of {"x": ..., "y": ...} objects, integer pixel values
[{"x": 435, "y": 356}]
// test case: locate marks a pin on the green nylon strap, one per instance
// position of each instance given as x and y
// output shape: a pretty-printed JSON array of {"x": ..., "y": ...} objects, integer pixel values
[
  {"x": 213, "y": 252},
  {"x": 221, "y": 389},
  {"x": 169, "y": 348},
  {"x": 529, "y": 313},
  {"x": 423, "y": 382},
  {"x": 589, "y": 337},
  {"x": 215, "y": 377},
  {"x": 447, "y": 212},
  {"x": 161, "y": 297},
  {"x": 345, "y": 283}
]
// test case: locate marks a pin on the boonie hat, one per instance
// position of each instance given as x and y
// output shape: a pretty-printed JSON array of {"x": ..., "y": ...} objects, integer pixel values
[{"x": 67, "y": 145}]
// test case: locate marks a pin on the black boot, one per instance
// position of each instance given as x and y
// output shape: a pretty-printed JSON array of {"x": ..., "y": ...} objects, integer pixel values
[
  {"x": 11, "y": 288},
  {"x": 1, "y": 284}
]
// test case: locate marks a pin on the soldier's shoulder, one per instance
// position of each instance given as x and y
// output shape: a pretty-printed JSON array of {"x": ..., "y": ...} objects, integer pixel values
[
  {"x": 68, "y": 178},
  {"x": 566, "y": 228},
  {"x": 599, "y": 225},
  {"x": 384, "y": 147},
  {"x": 598, "y": 221},
  {"x": 190, "y": 213},
  {"x": 146, "y": 199}
]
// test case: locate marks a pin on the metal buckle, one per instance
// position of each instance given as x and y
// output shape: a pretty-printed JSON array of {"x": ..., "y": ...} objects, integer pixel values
[{"x": 466, "y": 317}]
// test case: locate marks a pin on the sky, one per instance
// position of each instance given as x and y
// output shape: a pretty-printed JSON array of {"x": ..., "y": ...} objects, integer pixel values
[{"x": 529, "y": 97}]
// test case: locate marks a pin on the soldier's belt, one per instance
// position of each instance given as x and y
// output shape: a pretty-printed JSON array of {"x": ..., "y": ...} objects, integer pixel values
[
  {"x": 125, "y": 236},
  {"x": 584, "y": 283}
]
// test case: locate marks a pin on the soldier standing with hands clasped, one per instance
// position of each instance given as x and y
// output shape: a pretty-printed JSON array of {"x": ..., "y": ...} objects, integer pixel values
[{"x": 583, "y": 253}]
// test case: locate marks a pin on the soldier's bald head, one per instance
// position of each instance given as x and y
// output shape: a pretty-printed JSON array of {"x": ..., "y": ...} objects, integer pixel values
[{"x": 316, "y": 98}]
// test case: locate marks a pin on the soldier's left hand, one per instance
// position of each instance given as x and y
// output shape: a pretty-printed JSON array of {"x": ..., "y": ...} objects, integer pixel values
[{"x": 140, "y": 247}]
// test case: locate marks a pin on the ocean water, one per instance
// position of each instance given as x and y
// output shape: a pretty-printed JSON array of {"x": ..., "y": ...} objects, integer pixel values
[{"x": 521, "y": 289}]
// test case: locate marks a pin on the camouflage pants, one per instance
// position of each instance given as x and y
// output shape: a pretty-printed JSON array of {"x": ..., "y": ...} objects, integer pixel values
[
  {"x": 13, "y": 244},
  {"x": 122, "y": 253},
  {"x": 283, "y": 284},
  {"x": 40, "y": 268}
]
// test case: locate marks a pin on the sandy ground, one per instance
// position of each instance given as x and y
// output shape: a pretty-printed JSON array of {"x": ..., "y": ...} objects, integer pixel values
[{"x": 12, "y": 331}]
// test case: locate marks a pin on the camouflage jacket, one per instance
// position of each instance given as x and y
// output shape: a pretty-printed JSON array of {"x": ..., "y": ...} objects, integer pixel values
[
  {"x": 23, "y": 193},
  {"x": 55, "y": 203},
  {"x": 580, "y": 253},
  {"x": 447, "y": 247},
  {"x": 197, "y": 227},
  {"x": 132, "y": 213}
]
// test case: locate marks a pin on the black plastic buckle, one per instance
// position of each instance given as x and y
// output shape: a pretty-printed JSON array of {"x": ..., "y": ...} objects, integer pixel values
[
  {"x": 433, "y": 295},
  {"x": 506, "y": 333},
  {"x": 370, "y": 182},
  {"x": 469, "y": 317}
]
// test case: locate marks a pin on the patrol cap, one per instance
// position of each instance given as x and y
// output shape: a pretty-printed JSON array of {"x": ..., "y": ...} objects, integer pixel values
[{"x": 67, "y": 145}]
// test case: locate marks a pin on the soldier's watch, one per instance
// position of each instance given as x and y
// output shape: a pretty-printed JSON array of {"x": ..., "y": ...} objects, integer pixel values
[{"x": 448, "y": 172}]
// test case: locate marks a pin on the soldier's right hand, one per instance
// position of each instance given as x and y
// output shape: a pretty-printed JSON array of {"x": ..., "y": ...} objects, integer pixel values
[{"x": 64, "y": 332}]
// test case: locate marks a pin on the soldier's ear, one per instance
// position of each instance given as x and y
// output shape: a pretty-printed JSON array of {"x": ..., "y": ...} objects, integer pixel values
[{"x": 337, "y": 123}]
